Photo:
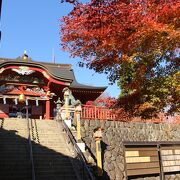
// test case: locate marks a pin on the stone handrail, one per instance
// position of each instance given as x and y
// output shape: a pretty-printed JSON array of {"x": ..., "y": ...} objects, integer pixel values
[{"x": 85, "y": 173}]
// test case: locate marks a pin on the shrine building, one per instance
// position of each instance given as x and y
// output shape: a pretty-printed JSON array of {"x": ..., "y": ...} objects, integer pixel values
[{"x": 40, "y": 84}]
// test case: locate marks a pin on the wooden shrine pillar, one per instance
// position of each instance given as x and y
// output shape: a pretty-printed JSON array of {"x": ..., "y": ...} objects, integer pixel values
[{"x": 47, "y": 109}]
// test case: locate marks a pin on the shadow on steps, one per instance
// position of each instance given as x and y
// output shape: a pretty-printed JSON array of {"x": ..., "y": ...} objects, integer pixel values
[{"x": 15, "y": 160}]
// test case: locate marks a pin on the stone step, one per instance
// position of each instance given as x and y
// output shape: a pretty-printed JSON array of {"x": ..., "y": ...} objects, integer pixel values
[
  {"x": 13, "y": 141},
  {"x": 12, "y": 137},
  {"x": 13, "y": 163},
  {"x": 60, "y": 168},
  {"x": 13, "y": 125},
  {"x": 50, "y": 146},
  {"x": 16, "y": 175},
  {"x": 16, "y": 127},
  {"x": 49, "y": 127},
  {"x": 58, "y": 150},
  {"x": 18, "y": 168},
  {"x": 53, "y": 163},
  {"x": 7, "y": 177},
  {"x": 57, "y": 140},
  {"x": 46, "y": 121},
  {"x": 49, "y": 137},
  {"x": 50, "y": 158},
  {"x": 13, "y": 176},
  {"x": 14, "y": 159},
  {"x": 13, "y": 154},
  {"x": 60, "y": 135},
  {"x": 46, "y": 135},
  {"x": 20, "y": 137},
  {"x": 55, "y": 173},
  {"x": 59, "y": 177},
  {"x": 13, "y": 132},
  {"x": 13, "y": 147}
]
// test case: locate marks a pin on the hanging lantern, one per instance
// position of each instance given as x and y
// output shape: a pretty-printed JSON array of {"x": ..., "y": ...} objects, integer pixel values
[{"x": 22, "y": 98}]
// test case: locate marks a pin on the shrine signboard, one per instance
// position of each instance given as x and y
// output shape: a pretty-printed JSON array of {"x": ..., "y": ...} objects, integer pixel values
[
  {"x": 152, "y": 158},
  {"x": 170, "y": 156},
  {"x": 142, "y": 160}
]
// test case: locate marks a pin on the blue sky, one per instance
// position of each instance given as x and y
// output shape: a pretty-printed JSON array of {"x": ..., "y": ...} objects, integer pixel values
[{"x": 33, "y": 25}]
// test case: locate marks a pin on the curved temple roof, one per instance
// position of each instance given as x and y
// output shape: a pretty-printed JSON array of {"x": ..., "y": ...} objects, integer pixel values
[{"x": 63, "y": 72}]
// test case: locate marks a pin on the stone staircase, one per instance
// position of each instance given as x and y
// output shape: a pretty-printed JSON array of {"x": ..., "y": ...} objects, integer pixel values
[
  {"x": 14, "y": 150},
  {"x": 52, "y": 155}
]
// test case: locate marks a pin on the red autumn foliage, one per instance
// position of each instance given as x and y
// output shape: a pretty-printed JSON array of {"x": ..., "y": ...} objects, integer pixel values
[
  {"x": 129, "y": 40},
  {"x": 103, "y": 101},
  {"x": 107, "y": 33}
]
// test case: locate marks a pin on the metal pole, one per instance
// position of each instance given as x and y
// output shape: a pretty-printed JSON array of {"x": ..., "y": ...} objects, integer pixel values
[{"x": 30, "y": 144}]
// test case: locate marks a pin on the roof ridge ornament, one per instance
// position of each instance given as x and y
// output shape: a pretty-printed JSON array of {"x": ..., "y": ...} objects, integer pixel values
[{"x": 25, "y": 56}]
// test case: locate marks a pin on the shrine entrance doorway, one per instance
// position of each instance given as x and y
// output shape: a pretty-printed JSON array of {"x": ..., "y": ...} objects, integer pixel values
[{"x": 20, "y": 111}]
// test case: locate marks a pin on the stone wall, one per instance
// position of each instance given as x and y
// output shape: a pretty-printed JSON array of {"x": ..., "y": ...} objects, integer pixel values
[{"x": 115, "y": 133}]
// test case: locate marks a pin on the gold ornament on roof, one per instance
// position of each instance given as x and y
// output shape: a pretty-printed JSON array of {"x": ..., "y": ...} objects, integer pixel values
[{"x": 25, "y": 56}]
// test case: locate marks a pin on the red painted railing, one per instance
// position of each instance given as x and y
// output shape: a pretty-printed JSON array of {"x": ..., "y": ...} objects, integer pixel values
[
  {"x": 95, "y": 112},
  {"x": 102, "y": 113}
]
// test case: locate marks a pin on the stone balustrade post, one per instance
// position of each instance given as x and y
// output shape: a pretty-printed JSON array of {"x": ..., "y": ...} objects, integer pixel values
[
  {"x": 78, "y": 110},
  {"x": 66, "y": 98},
  {"x": 98, "y": 136}
]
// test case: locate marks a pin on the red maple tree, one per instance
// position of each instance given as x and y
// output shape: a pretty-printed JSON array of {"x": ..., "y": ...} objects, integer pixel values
[{"x": 135, "y": 42}]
